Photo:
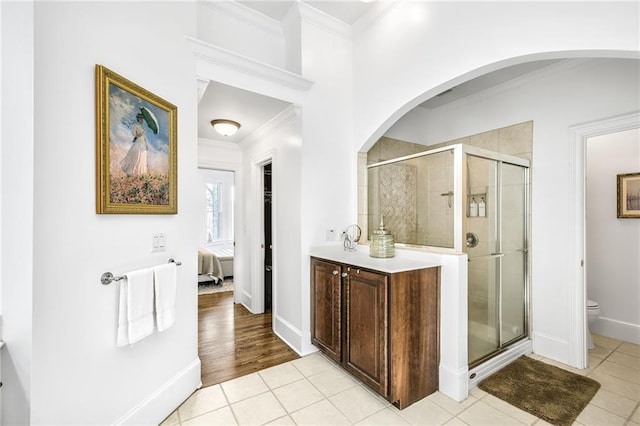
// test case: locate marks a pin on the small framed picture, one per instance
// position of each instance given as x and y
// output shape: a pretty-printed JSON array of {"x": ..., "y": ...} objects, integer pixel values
[
  {"x": 629, "y": 195},
  {"x": 136, "y": 148}
]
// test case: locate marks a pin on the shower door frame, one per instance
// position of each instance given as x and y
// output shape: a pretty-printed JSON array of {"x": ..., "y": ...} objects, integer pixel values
[{"x": 525, "y": 164}]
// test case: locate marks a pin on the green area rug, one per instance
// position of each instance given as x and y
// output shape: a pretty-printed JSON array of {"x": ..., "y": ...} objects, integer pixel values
[{"x": 550, "y": 393}]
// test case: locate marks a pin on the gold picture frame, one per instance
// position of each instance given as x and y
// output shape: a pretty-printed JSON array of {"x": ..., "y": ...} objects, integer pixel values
[
  {"x": 629, "y": 195},
  {"x": 136, "y": 148}
]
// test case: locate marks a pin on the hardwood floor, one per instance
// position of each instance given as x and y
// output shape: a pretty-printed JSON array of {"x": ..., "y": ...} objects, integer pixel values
[{"x": 233, "y": 342}]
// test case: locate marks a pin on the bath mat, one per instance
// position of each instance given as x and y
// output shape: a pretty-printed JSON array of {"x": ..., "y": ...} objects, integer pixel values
[
  {"x": 550, "y": 393},
  {"x": 209, "y": 287}
]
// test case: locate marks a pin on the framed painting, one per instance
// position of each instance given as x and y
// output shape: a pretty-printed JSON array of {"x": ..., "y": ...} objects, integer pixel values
[
  {"x": 136, "y": 148},
  {"x": 629, "y": 195}
]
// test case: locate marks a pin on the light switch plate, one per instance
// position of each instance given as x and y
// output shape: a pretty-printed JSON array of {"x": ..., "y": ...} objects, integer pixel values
[{"x": 158, "y": 243}]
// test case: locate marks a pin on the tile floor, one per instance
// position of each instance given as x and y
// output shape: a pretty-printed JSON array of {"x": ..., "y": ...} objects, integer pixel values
[{"x": 314, "y": 391}]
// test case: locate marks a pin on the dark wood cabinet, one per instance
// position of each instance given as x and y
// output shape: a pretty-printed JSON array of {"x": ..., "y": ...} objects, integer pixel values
[
  {"x": 326, "y": 311},
  {"x": 381, "y": 327},
  {"x": 365, "y": 299}
]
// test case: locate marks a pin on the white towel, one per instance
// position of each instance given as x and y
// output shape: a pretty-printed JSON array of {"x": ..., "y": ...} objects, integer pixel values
[
  {"x": 135, "y": 320},
  {"x": 165, "y": 286}
]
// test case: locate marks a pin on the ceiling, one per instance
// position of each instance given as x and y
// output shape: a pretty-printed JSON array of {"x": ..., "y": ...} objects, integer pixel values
[
  {"x": 249, "y": 109},
  {"x": 485, "y": 81},
  {"x": 347, "y": 11}
]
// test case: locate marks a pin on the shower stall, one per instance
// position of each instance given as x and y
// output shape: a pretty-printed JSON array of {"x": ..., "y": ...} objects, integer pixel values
[{"x": 463, "y": 199}]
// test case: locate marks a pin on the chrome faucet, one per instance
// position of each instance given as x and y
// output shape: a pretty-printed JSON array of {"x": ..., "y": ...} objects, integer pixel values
[{"x": 351, "y": 237}]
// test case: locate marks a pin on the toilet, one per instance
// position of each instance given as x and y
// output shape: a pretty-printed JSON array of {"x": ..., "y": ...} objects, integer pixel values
[{"x": 593, "y": 312}]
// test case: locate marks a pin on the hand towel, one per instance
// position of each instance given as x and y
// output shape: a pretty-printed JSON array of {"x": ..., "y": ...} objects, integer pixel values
[
  {"x": 164, "y": 281},
  {"x": 135, "y": 319}
]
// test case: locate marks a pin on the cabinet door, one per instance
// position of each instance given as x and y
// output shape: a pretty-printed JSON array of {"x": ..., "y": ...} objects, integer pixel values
[
  {"x": 366, "y": 328},
  {"x": 326, "y": 307}
]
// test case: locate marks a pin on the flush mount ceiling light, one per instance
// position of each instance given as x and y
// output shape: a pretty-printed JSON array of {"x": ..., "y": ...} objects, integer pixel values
[{"x": 225, "y": 127}]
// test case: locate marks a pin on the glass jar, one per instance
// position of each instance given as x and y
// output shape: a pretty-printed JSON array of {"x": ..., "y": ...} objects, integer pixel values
[{"x": 381, "y": 244}]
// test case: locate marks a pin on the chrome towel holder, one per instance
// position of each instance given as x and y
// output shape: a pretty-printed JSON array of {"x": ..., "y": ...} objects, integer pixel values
[{"x": 107, "y": 278}]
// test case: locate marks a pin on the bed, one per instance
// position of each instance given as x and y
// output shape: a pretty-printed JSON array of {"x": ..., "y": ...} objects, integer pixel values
[
  {"x": 225, "y": 256},
  {"x": 214, "y": 263}
]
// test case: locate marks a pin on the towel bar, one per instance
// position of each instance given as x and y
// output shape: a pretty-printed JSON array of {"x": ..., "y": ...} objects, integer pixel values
[{"x": 107, "y": 278}]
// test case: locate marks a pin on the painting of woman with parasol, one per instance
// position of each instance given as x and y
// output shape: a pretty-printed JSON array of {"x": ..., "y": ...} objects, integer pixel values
[
  {"x": 135, "y": 162},
  {"x": 136, "y": 148}
]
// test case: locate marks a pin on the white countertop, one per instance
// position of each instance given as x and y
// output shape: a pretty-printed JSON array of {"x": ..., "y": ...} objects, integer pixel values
[{"x": 404, "y": 260}]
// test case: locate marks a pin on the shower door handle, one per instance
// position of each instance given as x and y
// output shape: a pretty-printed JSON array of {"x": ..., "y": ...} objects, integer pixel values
[{"x": 489, "y": 256}]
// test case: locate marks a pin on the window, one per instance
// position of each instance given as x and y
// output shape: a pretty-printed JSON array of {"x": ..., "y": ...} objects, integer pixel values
[
  {"x": 214, "y": 210},
  {"x": 217, "y": 228}
]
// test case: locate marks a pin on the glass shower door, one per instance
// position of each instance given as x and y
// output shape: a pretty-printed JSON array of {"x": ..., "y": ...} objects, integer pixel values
[
  {"x": 496, "y": 248},
  {"x": 514, "y": 249},
  {"x": 484, "y": 267}
]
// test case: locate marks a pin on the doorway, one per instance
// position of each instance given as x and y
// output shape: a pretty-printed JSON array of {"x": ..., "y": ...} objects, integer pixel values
[
  {"x": 216, "y": 248},
  {"x": 268, "y": 237},
  {"x": 577, "y": 202}
]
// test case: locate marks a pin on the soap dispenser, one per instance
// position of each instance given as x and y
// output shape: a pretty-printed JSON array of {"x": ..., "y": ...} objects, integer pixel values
[
  {"x": 473, "y": 208},
  {"x": 482, "y": 210}
]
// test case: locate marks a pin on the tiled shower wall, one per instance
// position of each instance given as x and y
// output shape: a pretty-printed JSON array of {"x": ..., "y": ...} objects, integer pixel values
[{"x": 394, "y": 195}]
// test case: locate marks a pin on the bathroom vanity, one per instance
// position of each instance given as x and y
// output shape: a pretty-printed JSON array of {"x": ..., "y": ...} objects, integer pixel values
[{"x": 379, "y": 319}]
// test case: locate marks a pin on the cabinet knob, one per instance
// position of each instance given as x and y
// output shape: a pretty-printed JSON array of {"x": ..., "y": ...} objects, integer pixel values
[
  {"x": 335, "y": 272},
  {"x": 344, "y": 275}
]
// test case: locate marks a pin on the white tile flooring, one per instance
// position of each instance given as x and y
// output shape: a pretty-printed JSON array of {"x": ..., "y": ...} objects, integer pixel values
[{"x": 314, "y": 391}]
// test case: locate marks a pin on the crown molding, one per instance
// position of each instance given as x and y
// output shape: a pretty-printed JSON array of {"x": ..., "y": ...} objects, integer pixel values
[
  {"x": 302, "y": 12},
  {"x": 322, "y": 20},
  {"x": 227, "y": 59},
  {"x": 203, "y": 83},
  {"x": 289, "y": 114},
  {"x": 218, "y": 144},
  {"x": 234, "y": 9}
]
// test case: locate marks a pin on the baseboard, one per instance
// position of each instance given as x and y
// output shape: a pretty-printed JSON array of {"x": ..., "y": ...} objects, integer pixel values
[
  {"x": 453, "y": 382},
  {"x": 245, "y": 300},
  {"x": 551, "y": 347},
  {"x": 161, "y": 403},
  {"x": 293, "y": 337},
  {"x": 306, "y": 345},
  {"x": 617, "y": 329},
  {"x": 487, "y": 368}
]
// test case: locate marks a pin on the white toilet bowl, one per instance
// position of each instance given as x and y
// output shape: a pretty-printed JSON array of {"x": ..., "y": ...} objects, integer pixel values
[{"x": 593, "y": 312}]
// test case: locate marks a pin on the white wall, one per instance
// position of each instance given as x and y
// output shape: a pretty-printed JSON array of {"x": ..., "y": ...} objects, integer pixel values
[
  {"x": 419, "y": 49},
  {"x": 16, "y": 229},
  {"x": 281, "y": 147},
  {"x": 329, "y": 165},
  {"x": 78, "y": 375},
  {"x": 560, "y": 97},
  {"x": 221, "y": 22},
  {"x": 219, "y": 155},
  {"x": 613, "y": 245}
]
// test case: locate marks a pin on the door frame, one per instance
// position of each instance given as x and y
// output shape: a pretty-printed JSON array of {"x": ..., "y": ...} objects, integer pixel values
[
  {"x": 579, "y": 135},
  {"x": 257, "y": 233}
]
